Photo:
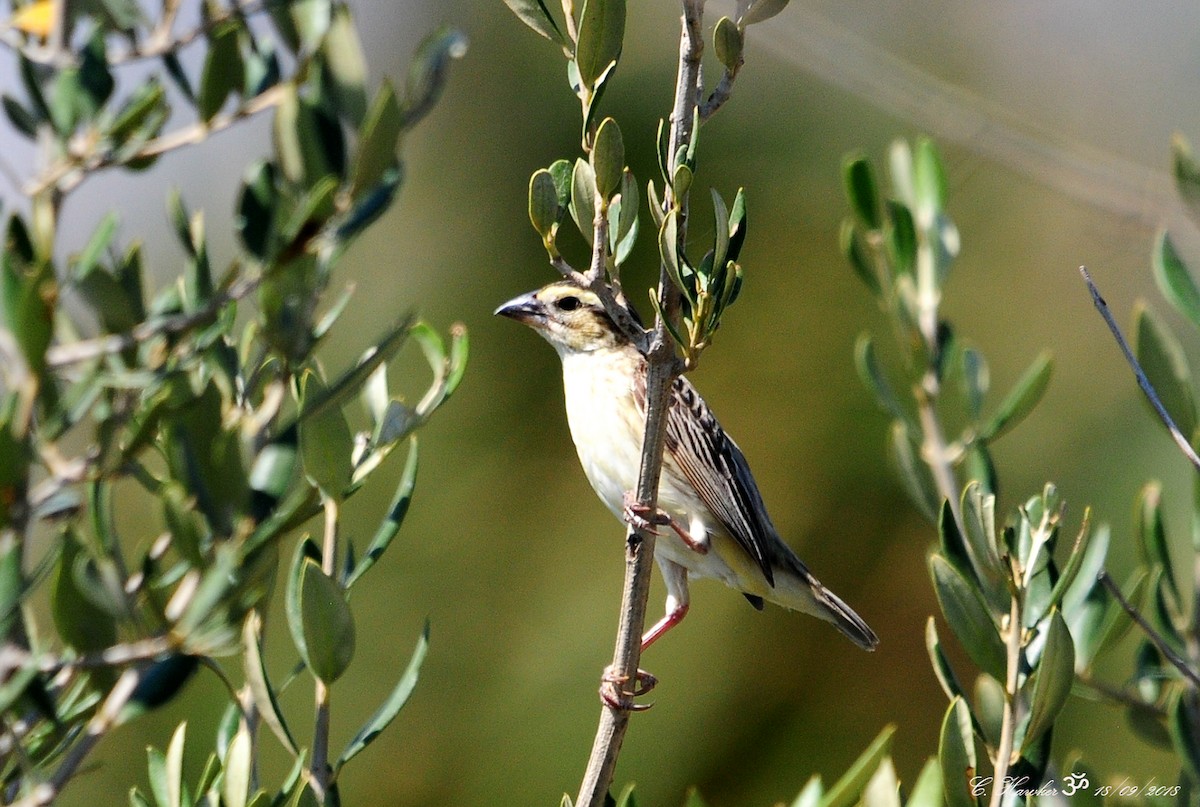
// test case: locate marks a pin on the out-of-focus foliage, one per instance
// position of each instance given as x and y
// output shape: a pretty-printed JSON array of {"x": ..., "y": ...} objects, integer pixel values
[{"x": 206, "y": 394}]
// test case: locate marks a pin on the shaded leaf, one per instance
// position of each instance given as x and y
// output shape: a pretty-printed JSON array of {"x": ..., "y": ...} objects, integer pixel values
[
  {"x": 927, "y": 792},
  {"x": 583, "y": 199},
  {"x": 1054, "y": 677},
  {"x": 1022, "y": 399},
  {"x": 608, "y": 158},
  {"x": 544, "y": 211},
  {"x": 728, "y": 44},
  {"x": 861, "y": 190},
  {"x": 601, "y": 31},
  {"x": 941, "y": 665},
  {"x": 392, "y": 706},
  {"x": 535, "y": 14},
  {"x": 1165, "y": 365},
  {"x": 326, "y": 623},
  {"x": 326, "y": 443},
  {"x": 1174, "y": 280},
  {"x": 390, "y": 525},
  {"x": 956, "y": 755},
  {"x": 260, "y": 686},
  {"x": 968, "y": 617},
  {"x": 847, "y": 790},
  {"x": 223, "y": 72}
]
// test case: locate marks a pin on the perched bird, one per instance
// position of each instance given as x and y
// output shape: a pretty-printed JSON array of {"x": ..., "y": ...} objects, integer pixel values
[{"x": 718, "y": 525}]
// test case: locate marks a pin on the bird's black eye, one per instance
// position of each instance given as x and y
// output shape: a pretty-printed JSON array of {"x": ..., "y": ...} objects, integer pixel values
[{"x": 568, "y": 304}]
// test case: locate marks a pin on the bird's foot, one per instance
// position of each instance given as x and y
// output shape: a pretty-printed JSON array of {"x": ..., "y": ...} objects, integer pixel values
[
  {"x": 642, "y": 516},
  {"x": 615, "y": 692}
]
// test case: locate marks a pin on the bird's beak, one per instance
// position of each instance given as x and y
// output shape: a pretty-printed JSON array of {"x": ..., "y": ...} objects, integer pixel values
[{"x": 526, "y": 308}]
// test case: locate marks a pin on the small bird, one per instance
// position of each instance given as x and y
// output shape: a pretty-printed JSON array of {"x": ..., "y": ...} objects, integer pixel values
[{"x": 707, "y": 496}]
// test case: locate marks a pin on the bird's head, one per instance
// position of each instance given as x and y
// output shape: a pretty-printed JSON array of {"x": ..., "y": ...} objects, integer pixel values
[{"x": 569, "y": 317}]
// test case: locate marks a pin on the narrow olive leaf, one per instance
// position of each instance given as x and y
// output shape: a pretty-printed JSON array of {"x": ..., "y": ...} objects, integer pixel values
[
  {"x": 883, "y": 790},
  {"x": 1173, "y": 278},
  {"x": 1182, "y": 718},
  {"x": 975, "y": 381},
  {"x": 326, "y": 443},
  {"x": 875, "y": 380},
  {"x": 1075, "y": 561},
  {"x": 173, "y": 770},
  {"x": 346, "y": 65},
  {"x": 583, "y": 199},
  {"x": 235, "y": 785},
  {"x": 1186, "y": 170},
  {"x": 956, "y": 755},
  {"x": 1152, "y": 535},
  {"x": 1165, "y": 365},
  {"x": 601, "y": 31},
  {"x": 968, "y": 617},
  {"x": 989, "y": 708},
  {"x": 391, "y": 707},
  {"x": 810, "y": 795},
  {"x": 608, "y": 158},
  {"x": 22, "y": 119},
  {"x": 929, "y": 176},
  {"x": 223, "y": 72},
  {"x": 535, "y": 14},
  {"x": 861, "y": 190},
  {"x": 847, "y": 790},
  {"x": 941, "y": 665},
  {"x": 761, "y": 10},
  {"x": 1022, "y": 399},
  {"x": 562, "y": 172},
  {"x": 544, "y": 211},
  {"x": 378, "y": 141},
  {"x": 327, "y": 623},
  {"x": 156, "y": 769},
  {"x": 305, "y": 550},
  {"x": 856, "y": 253},
  {"x": 728, "y": 42},
  {"x": 396, "y": 512},
  {"x": 260, "y": 686},
  {"x": 913, "y": 473},
  {"x": 97, "y": 245},
  {"x": 1055, "y": 674},
  {"x": 928, "y": 792},
  {"x": 901, "y": 236}
]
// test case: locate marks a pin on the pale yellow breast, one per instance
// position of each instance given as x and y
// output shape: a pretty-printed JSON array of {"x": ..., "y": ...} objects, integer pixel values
[{"x": 605, "y": 422}]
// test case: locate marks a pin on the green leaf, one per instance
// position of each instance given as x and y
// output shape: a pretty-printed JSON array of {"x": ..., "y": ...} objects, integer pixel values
[
  {"x": 1186, "y": 170},
  {"x": 601, "y": 31},
  {"x": 80, "y": 623},
  {"x": 326, "y": 622},
  {"x": 968, "y": 617},
  {"x": 1152, "y": 535},
  {"x": 929, "y": 177},
  {"x": 956, "y": 755},
  {"x": 1165, "y": 365},
  {"x": 396, "y": 512},
  {"x": 223, "y": 72},
  {"x": 1075, "y": 561},
  {"x": 975, "y": 381},
  {"x": 928, "y": 792},
  {"x": 884, "y": 788},
  {"x": 901, "y": 237},
  {"x": 728, "y": 43},
  {"x": 235, "y": 786},
  {"x": 260, "y": 685},
  {"x": 311, "y": 19},
  {"x": 429, "y": 70},
  {"x": 875, "y": 379},
  {"x": 583, "y": 199},
  {"x": 1052, "y": 684},
  {"x": 847, "y": 790},
  {"x": 1022, "y": 399},
  {"x": 535, "y": 14},
  {"x": 307, "y": 141},
  {"x": 174, "y": 766},
  {"x": 760, "y": 10},
  {"x": 22, "y": 119},
  {"x": 857, "y": 255},
  {"x": 1182, "y": 717},
  {"x": 391, "y": 707},
  {"x": 544, "y": 212},
  {"x": 913, "y": 472},
  {"x": 941, "y": 665},
  {"x": 346, "y": 66},
  {"x": 862, "y": 190},
  {"x": 326, "y": 443},
  {"x": 608, "y": 158},
  {"x": 1174, "y": 280}
]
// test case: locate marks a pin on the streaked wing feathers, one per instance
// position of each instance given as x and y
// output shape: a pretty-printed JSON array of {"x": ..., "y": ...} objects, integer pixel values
[{"x": 717, "y": 469}]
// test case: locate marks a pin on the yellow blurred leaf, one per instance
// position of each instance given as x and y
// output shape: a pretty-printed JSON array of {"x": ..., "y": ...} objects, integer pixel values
[{"x": 37, "y": 18}]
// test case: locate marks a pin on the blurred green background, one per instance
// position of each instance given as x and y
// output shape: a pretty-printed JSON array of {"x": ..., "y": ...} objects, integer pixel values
[{"x": 1054, "y": 122}]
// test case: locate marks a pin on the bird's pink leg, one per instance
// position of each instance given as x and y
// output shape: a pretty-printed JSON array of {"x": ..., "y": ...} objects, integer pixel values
[{"x": 673, "y": 618}]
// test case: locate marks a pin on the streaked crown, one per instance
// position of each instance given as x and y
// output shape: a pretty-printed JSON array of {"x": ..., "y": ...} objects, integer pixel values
[{"x": 569, "y": 317}]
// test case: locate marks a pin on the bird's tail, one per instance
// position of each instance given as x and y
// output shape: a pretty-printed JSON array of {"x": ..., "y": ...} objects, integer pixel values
[{"x": 797, "y": 589}]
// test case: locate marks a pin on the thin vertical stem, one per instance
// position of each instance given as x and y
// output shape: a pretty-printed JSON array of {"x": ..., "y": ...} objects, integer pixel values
[
  {"x": 1008, "y": 722},
  {"x": 662, "y": 367},
  {"x": 321, "y": 695}
]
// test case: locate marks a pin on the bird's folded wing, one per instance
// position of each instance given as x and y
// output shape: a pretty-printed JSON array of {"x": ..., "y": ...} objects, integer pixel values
[{"x": 717, "y": 469}]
